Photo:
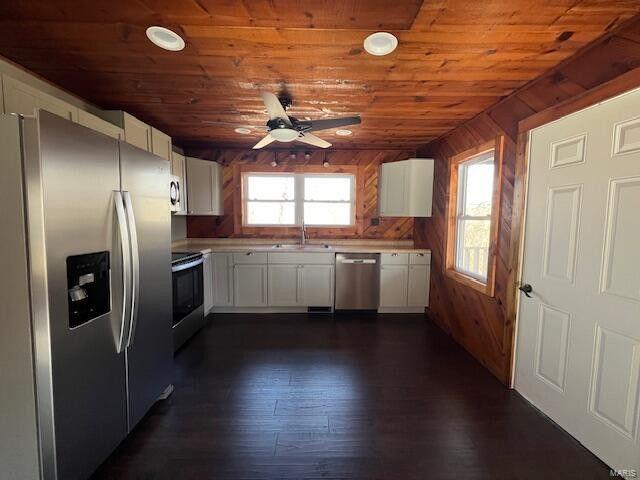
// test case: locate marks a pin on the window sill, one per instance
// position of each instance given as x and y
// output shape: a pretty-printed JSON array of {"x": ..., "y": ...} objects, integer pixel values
[{"x": 468, "y": 281}]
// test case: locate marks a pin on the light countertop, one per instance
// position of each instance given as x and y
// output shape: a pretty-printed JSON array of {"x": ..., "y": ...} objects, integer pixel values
[{"x": 289, "y": 245}]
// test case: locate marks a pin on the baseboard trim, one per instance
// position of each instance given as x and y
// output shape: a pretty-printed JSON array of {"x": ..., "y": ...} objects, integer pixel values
[{"x": 401, "y": 309}]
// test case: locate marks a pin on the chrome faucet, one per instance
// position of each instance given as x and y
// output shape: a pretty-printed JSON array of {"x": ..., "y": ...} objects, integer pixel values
[{"x": 303, "y": 233}]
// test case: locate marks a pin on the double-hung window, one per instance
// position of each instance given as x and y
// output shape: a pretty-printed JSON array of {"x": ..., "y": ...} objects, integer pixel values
[
  {"x": 287, "y": 199},
  {"x": 472, "y": 226}
]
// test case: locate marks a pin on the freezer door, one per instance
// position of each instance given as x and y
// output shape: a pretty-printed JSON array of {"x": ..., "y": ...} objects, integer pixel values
[
  {"x": 145, "y": 184},
  {"x": 76, "y": 281}
]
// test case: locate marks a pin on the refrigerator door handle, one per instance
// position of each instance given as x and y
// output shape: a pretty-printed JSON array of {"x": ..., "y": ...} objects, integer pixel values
[
  {"x": 126, "y": 267},
  {"x": 135, "y": 266}
]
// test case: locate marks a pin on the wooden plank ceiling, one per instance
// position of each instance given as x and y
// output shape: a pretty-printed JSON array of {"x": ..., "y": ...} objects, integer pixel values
[{"x": 455, "y": 58}]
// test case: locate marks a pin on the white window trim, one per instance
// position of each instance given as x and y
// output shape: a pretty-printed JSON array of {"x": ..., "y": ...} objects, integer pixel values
[
  {"x": 461, "y": 216},
  {"x": 299, "y": 199}
]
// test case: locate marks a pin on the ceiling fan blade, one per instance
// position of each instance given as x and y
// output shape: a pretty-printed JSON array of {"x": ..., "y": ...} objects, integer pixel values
[
  {"x": 274, "y": 107},
  {"x": 264, "y": 142},
  {"x": 330, "y": 123},
  {"x": 313, "y": 140}
]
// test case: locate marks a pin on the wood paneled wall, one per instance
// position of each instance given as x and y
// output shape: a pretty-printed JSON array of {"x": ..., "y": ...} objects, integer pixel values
[
  {"x": 482, "y": 324},
  {"x": 364, "y": 164}
]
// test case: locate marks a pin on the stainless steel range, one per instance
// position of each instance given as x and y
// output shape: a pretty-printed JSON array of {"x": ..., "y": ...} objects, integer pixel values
[{"x": 188, "y": 295}]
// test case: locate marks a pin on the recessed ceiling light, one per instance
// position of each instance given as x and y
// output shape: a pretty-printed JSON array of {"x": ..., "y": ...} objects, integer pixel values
[
  {"x": 343, "y": 132},
  {"x": 242, "y": 131},
  {"x": 380, "y": 43},
  {"x": 165, "y": 38}
]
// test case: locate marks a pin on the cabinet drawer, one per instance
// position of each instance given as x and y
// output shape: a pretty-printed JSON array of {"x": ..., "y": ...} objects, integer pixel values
[
  {"x": 422, "y": 258},
  {"x": 301, "y": 258},
  {"x": 394, "y": 258},
  {"x": 249, "y": 257}
]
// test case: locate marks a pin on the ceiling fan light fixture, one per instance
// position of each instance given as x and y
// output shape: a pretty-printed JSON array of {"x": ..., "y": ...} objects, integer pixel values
[
  {"x": 380, "y": 43},
  {"x": 343, "y": 132},
  {"x": 273, "y": 163},
  {"x": 284, "y": 134},
  {"x": 165, "y": 38},
  {"x": 326, "y": 163},
  {"x": 242, "y": 131}
]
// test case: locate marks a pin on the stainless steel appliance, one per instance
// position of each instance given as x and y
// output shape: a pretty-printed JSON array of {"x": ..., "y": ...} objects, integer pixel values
[
  {"x": 357, "y": 281},
  {"x": 188, "y": 295},
  {"x": 175, "y": 194},
  {"x": 88, "y": 342}
]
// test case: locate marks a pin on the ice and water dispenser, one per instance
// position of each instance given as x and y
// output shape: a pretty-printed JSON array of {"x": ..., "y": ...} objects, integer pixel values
[{"x": 88, "y": 287}]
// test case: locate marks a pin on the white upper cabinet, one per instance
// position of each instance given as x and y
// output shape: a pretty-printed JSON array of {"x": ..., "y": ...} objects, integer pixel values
[
  {"x": 406, "y": 188},
  {"x": 24, "y": 99},
  {"x": 96, "y": 123},
  {"x": 160, "y": 144},
  {"x": 137, "y": 133},
  {"x": 204, "y": 187},
  {"x": 179, "y": 169}
]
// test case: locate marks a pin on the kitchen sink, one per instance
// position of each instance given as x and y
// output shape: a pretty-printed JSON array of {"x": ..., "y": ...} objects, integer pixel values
[{"x": 297, "y": 246}]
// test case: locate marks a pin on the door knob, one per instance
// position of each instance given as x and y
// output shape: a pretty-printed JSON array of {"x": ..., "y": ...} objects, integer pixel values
[{"x": 526, "y": 289}]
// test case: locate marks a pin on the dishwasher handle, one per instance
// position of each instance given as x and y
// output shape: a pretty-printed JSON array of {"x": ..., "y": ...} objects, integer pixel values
[{"x": 369, "y": 261}]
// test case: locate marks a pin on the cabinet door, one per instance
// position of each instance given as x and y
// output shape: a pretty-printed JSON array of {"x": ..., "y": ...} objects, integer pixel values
[
  {"x": 217, "y": 205},
  {"x": 160, "y": 144},
  {"x": 204, "y": 189},
  {"x": 393, "y": 285},
  {"x": 96, "y": 123},
  {"x": 284, "y": 285},
  {"x": 394, "y": 189},
  {"x": 137, "y": 133},
  {"x": 418, "y": 295},
  {"x": 222, "y": 269},
  {"x": 250, "y": 285},
  {"x": 179, "y": 169},
  {"x": 317, "y": 285},
  {"x": 420, "y": 187},
  {"x": 207, "y": 275},
  {"x": 24, "y": 99}
]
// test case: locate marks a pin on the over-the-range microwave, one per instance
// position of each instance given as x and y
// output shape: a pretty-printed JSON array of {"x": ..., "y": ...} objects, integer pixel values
[{"x": 175, "y": 194}]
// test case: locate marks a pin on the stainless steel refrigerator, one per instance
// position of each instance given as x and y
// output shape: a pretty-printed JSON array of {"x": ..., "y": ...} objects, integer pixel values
[{"x": 85, "y": 339}]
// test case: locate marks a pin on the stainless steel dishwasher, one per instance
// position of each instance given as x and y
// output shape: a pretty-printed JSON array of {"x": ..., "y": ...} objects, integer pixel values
[{"x": 357, "y": 281}]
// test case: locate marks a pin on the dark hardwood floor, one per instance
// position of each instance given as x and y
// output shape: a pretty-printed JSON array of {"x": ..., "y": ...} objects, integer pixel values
[{"x": 317, "y": 397}]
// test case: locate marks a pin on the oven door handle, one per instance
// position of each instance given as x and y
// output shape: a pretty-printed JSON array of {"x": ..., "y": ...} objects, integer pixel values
[{"x": 184, "y": 266}]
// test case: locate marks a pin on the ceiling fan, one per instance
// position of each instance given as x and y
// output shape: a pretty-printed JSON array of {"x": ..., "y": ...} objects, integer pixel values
[{"x": 284, "y": 128}]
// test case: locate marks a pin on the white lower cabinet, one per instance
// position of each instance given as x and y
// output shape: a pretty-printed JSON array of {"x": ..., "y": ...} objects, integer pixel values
[
  {"x": 284, "y": 285},
  {"x": 207, "y": 274},
  {"x": 316, "y": 285},
  {"x": 418, "y": 286},
  {"x": 250, "y": 285},
  {"x": 393, "y": 285},
  {"x": 404, "y": 281},
  {"x": 222, "y": 270},
  {"x": 300, "y": 285}
]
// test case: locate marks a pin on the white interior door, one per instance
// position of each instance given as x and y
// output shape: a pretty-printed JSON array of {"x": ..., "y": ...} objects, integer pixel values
[{"x": 578, "y": 349}]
